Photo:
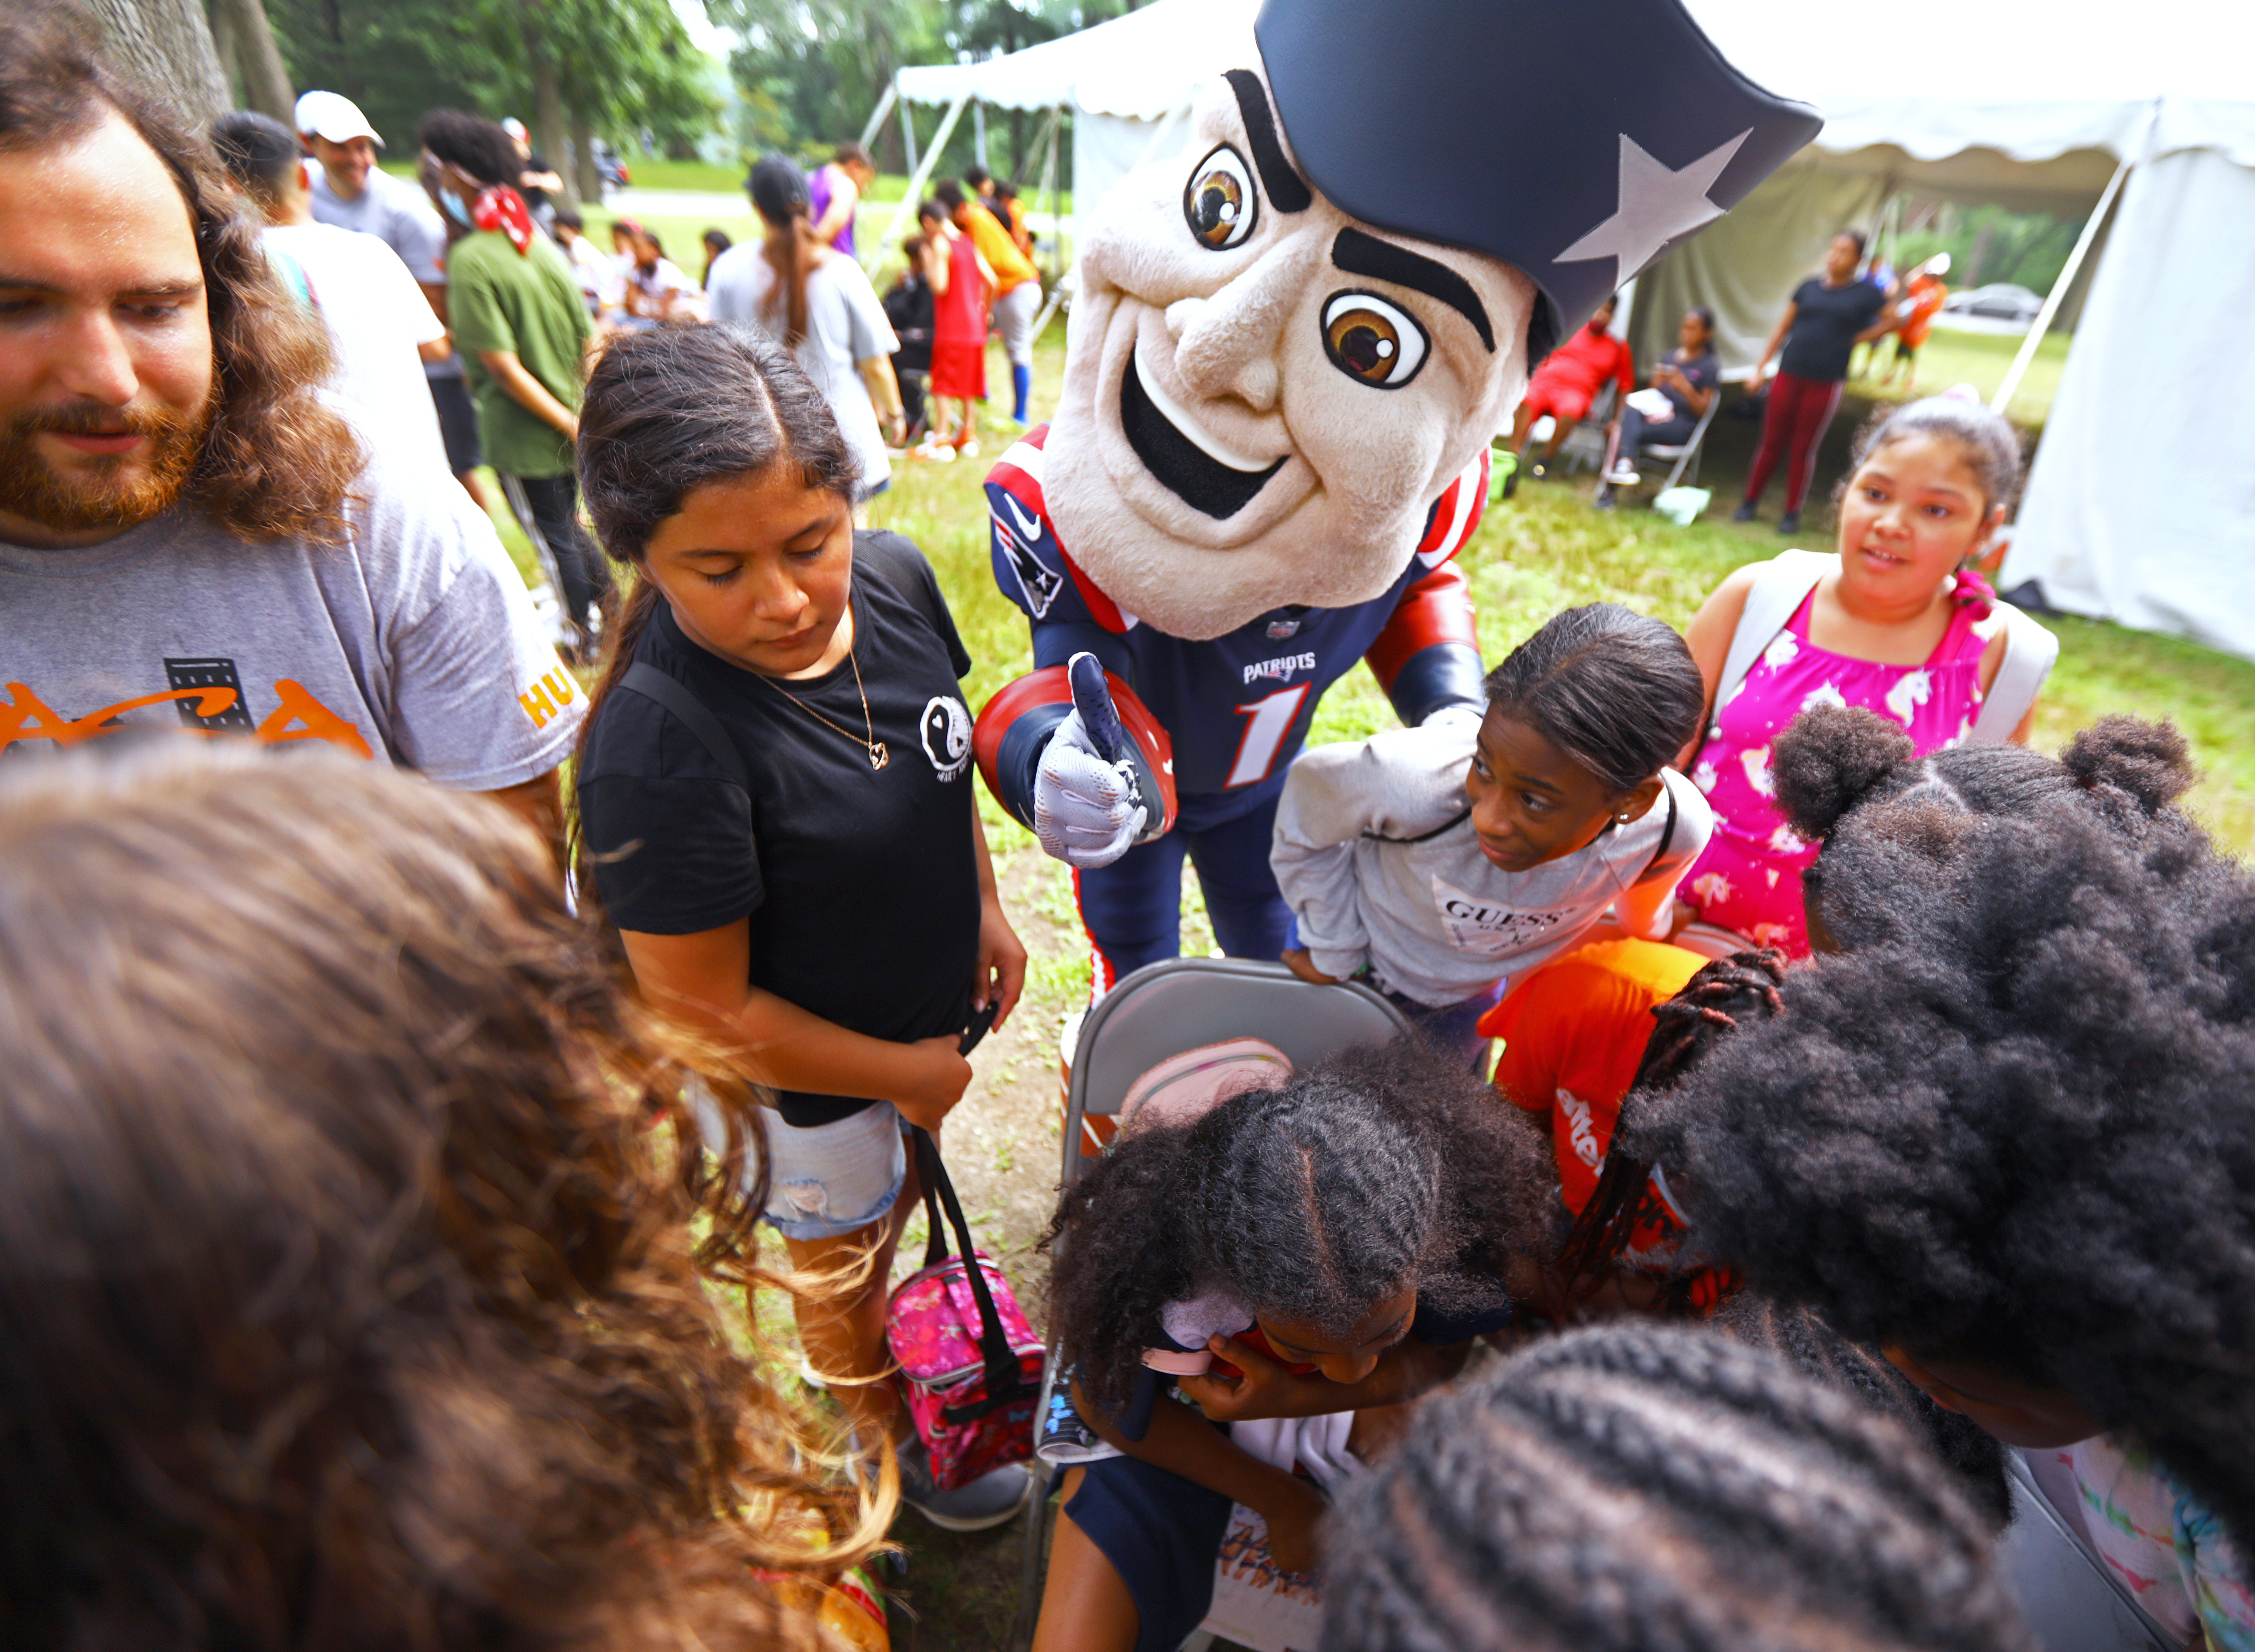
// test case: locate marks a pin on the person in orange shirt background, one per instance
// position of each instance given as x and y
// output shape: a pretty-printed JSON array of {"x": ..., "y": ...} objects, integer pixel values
[
  {"x": 1564, "y": 387},
  {"x": 1914, "y": 310}
]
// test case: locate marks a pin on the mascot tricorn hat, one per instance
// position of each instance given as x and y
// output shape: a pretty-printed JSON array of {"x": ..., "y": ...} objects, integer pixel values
[{"x": 1399, "y": 113}]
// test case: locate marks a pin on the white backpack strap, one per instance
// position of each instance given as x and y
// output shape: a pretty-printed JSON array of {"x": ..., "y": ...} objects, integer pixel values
[
  {"x": 1782, "y": 586},
  {"x": 2030, "y": 653}
]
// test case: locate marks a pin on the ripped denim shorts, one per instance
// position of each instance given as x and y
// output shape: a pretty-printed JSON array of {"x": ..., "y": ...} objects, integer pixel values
[{"x": 828, "y": 1180}]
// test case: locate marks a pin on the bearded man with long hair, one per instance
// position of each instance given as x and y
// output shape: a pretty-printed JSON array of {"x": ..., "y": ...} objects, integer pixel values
[{"x": 190, "y": 536}]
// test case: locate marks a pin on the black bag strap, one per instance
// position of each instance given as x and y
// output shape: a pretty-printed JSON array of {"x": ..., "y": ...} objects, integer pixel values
[
  {"x": 651, "y": 683},
  {"x": 1005, "y": 1378}
]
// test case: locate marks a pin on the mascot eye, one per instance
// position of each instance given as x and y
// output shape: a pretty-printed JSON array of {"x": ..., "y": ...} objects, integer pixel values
[
  {"x": 1219, "y": 202},
  {"x": 1374, "y": 341}
]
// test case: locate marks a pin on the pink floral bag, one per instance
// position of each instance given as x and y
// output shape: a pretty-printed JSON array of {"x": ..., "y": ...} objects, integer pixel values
[{"x": 973, "y": 1365}]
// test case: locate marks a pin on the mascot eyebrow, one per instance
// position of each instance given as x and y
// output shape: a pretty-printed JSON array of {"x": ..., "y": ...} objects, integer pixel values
[
  {"x": 1361, "y": 255},
  {"x": 1288, "y": 193}
]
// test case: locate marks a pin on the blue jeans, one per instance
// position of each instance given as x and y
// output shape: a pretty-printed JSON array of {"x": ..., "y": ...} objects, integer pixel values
[
  {"x": 1454, "y": 1027},
  {"x": 1132, "y": 909}
]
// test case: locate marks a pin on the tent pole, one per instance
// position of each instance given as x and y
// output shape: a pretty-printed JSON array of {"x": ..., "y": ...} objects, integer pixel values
[
  {"x": 907, "y": 132},
  {"x": 904, "y": 213},
  {"x": 876, "y": 121},
  {"x": 2058, "y": 293},
  {"x": 1046, "y": 140},
  {"x": 979, "y": 130}
]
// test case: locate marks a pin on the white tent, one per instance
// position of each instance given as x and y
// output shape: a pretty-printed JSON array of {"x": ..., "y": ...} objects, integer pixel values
[{"x": 2141, "y": 506}]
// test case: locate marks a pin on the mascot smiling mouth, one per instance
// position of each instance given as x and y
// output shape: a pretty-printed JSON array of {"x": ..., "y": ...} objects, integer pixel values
[{"x": 1162, "y": 437}]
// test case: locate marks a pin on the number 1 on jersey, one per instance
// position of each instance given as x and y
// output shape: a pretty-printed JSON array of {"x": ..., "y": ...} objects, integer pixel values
[{"x": 1266, "y": 723}]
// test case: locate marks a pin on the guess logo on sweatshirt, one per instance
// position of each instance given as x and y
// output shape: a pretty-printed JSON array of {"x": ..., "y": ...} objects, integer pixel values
[{"x": 1483, "y": 928}]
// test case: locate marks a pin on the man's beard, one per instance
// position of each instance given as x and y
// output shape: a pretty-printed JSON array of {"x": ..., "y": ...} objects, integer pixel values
[{"x": 119, "y": 491}]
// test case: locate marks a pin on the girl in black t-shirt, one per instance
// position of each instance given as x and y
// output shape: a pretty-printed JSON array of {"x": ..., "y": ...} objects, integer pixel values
[
  {"x": 1820, "y": 327},
  {"x": 776, "y": 807}
]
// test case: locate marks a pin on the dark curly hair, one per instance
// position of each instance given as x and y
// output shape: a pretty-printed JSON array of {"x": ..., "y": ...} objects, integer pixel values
[
  {"x": 1640, "y": 1486},
  {"x": 2019, "y": 1132},
  {"x": 473, "y": 142},
  {"x": 1374, "y": 1169},
  {"x": 347, "y": 1293},
  {"x": 276, "y": 462},
  {"x": 1613, "y": 690},
  {"x": 1888, "y": 817}
]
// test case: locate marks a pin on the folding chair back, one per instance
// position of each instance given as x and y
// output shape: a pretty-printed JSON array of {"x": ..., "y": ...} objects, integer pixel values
[
  {"x": 1183, "y": 1004},
  {"x": 2071, "y": 1599},
  {"x": 1686, "y": 452},
  {"x": 1585, "y": 446}
]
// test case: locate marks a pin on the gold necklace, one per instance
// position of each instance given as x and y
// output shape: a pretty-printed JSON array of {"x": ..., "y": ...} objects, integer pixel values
[{"x": 878, "y": 755}]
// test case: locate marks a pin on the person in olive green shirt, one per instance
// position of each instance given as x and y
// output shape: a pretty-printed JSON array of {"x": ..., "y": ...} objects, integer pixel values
[{"x": 522, "y": 330}]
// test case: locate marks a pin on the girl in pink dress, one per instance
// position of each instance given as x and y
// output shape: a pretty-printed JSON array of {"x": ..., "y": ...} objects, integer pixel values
[{"x": 1902, "y": 627}]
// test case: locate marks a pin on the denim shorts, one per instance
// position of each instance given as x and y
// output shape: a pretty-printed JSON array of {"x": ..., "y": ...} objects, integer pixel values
[{"x": 824, "y": 1180}]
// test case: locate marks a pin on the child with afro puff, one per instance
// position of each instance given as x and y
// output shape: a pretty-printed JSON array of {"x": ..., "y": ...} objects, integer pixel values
[{"x": 2007, "y": 1129}]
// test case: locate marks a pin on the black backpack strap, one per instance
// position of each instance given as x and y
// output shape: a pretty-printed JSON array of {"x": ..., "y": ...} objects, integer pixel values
[
  {"x": 651, "y": 683},
  {"x": 1005, "y": 1378}
]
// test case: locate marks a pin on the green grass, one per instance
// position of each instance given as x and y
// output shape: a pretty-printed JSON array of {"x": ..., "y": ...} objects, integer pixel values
[
  {"x": 1547, "y": 549},
  {"x": 1982, "y": 360}
]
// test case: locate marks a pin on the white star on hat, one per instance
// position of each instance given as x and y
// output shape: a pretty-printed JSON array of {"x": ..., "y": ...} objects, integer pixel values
[{"x": 1655, "y": 206}]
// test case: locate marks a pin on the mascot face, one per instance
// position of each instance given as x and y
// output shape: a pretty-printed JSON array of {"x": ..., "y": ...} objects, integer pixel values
[{"x": 1263, "y": 396}]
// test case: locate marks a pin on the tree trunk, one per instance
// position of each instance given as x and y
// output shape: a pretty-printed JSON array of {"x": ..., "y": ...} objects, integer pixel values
[
  {"x": 583, "y": 158},
  {"x": 165, "y": 46},
  {"x": 224, "y": 48},
  {"x": 548, "y": 124},
  {"x": 259, "y": 59}
]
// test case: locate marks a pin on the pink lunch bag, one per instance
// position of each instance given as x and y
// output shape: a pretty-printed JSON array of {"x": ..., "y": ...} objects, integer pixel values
[{"x": 973, "y": 1366}]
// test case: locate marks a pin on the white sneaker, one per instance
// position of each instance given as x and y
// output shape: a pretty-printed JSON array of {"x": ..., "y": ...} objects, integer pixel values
[
  {"x": 1623, "y": 476},
  {"x": 970, "y": 448},
  {"x": 987, "y": 1500},
  {"x": 939, "y": 452}
]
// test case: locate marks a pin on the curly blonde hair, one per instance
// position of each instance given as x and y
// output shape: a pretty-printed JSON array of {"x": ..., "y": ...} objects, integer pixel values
[{"x": 348, "y": 1289}]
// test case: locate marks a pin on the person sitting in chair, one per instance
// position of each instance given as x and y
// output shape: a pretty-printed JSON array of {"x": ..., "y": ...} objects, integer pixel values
[
  {"x": 1564, "y": 386},
  {"x": 1689, "y": 378}
]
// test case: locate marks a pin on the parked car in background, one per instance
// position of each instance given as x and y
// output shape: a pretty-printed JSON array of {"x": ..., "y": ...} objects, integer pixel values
[{"x": 1998, "y": 301}]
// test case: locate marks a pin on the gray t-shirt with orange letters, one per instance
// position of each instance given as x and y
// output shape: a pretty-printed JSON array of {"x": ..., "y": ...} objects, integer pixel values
[{"x": 414, "y": 643}]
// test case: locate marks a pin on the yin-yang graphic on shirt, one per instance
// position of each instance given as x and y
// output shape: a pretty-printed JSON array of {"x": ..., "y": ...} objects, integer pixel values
[{"x": 945, "y": 729}]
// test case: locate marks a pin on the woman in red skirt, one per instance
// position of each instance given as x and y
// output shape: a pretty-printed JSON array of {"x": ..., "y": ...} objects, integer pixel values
[{"x": 960, "y": 282}]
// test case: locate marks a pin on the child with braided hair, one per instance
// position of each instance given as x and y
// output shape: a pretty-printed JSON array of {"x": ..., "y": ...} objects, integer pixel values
[
  {"x": 2008, "y": 1130},
  {"x": 1639, "y": 1486},
  {"x": 1291, "y": 1260}
]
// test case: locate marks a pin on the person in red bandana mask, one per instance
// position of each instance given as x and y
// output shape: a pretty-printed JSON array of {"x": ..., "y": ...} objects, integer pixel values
[{"x": 520, "y": 329}]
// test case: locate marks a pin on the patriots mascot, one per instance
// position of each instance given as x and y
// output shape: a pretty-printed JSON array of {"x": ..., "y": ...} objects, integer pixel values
[{"x": 1291, "y": 346}]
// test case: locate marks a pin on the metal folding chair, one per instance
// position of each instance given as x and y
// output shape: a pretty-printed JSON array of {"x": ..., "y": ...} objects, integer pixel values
[
  {"x": 2070, "y": 1600},
  {"x": 1159, "y": 1012},
  {"x": 1686, "y": 452}
]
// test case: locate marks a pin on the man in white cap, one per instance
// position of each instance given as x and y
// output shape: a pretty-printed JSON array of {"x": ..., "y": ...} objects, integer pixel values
[{"x": 349, "y": 191}]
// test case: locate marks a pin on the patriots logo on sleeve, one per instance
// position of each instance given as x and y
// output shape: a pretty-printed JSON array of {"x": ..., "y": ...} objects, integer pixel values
[{"x": 1025, "y": 544}]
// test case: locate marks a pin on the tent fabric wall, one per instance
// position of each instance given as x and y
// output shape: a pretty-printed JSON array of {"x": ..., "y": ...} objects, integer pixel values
[
  {"x": 1742, "y": 265},
  {"x": 2141, "y": 504}
]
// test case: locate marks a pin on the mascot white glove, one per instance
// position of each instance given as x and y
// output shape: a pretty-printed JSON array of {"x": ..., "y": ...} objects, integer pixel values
[{"x": 1088, "y": 805}]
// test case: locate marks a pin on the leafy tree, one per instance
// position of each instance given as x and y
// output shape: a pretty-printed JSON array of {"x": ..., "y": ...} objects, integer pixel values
[{"x": 572, "y": 69}]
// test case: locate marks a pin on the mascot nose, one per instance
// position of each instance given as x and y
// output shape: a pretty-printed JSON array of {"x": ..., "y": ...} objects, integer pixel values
[{"x": 1228, "y": 345}]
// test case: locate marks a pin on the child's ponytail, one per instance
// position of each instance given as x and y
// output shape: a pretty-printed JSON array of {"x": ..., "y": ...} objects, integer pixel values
[{"x": 1616, "y": 691}]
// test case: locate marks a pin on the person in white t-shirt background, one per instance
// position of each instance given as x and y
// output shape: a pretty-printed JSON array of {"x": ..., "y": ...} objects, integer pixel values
[
  {"x": 379, "y": 325},
  {"x": 600, "y": 283},
  {"x": 820, "y": 304},
  {"x": 348, "y": 190}
]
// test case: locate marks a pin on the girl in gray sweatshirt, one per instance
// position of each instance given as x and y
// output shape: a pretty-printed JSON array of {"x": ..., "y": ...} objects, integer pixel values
[{"x": 1444, "y": 860}]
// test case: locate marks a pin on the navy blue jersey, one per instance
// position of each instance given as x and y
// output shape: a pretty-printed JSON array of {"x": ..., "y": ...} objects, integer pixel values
[{"x": 1237, "y": 707}]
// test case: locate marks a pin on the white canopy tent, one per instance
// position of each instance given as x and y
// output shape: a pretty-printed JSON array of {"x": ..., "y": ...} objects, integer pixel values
[{"x": 2141, "y": 506}]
